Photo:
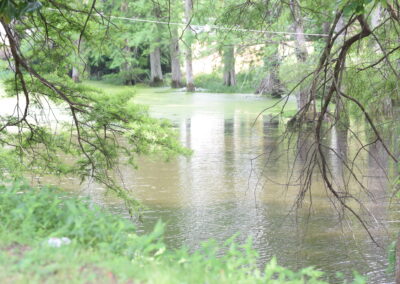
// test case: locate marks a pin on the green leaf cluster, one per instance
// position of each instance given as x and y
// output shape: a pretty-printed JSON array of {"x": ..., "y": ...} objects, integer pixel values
[{"x": 14, "y": 9}]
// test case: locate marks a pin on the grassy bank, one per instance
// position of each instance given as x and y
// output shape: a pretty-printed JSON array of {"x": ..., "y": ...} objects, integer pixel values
[
  {"x": 247, "y": 82},
  {"x": 213, "y": 83},
  {"x": 104, "y": 248}
]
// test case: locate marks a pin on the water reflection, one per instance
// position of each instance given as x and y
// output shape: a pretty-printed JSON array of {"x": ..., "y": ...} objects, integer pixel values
[{"x": 223, "y": 193}]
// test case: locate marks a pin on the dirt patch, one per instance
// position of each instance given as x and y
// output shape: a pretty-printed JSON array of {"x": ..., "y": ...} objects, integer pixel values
[
  {"x": 16, "y": 249},
  {"x": 100, "y": 275}
]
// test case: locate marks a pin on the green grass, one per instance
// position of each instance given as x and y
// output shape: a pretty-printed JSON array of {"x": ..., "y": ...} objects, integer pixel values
[
  {"x": 213, "y": 83},
  {"x": 112, "y": 88},
  {"x": 106, "y": 249}
]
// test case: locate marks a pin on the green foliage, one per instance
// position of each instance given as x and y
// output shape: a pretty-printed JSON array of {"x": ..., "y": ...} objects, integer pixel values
[
  {"x": 246, "y": 82},
  {"x": 90, "y": 129},
  {"x": 111, "y": 126},
  {"x": 355, "y": 6},
  {"x": 10, "y": 164},
  {"x": 373, "y": 89},
  {"x": 104, "y": 244},
  {"x": 10, "y": 10},
  {"x": 120, "y": 77},
  {"x": 392, "y": 257},
  {"x": 130, "y": 43},
  {"x": 35, "y": 214}
]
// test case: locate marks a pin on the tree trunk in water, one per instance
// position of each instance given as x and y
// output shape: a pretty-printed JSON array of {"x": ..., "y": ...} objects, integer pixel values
[
  {"x": 176, "y": 81},
  {"x": 188, "y": 55},
  {"x": 302, "y": 97},
  {"x": 189, "y": 71},
  {"x": 271, "y": 84},
  {"x": 341, "y": 113},
  {"x": 229, "y": 66},
  {"x": 156, "y": 76},
  {"x": 339, "y": 143}
]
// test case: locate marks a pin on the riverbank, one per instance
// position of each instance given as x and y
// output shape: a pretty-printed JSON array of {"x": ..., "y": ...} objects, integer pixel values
[
  {"x": 50, "y": 236},
  {"x": 210, "y": 83},
  {"x": 150, "y": 96}
]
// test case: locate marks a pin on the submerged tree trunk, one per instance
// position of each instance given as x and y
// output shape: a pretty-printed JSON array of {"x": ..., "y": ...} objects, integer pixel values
[
  {"x": 271, "y": 84},
  {"x": 176, "y": 80},
  {"x": 156, "y": 76},
  {"x": 188, "y": 54},
  {"x": 302, "y": 97},
  {"x": 229, "y": 66}
]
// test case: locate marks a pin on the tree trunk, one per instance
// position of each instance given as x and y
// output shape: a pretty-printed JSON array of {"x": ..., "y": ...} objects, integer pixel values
[
  {"x": 176, "y": 80},
  {"x": 156, "y": 76},
  {"x": 301, "y": 48},
  {"x": 341, "y": 113},
  {"x": 75, "y": 68},
  {"x": 189, "y": 71},
  {"x": 302, "y": 97},
  {"x": 125, "y": 67},
  {"x": 376, "y": 19},
  {"x": 326, "y": 27},
  {"x": 376, "y": 16},
  {"x": 75, "y": 74},
  {"x": 229, "y": 66},
  {"x": 271, "y": 84},
  {"x": 188, "y": 54},
  {"x": 339, "y": 143}
]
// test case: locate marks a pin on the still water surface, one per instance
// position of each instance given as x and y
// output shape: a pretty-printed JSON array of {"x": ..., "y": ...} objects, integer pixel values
[{"x": 235, "y": 183}]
